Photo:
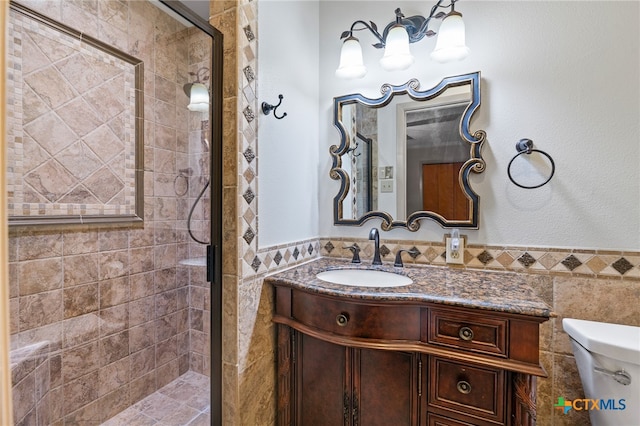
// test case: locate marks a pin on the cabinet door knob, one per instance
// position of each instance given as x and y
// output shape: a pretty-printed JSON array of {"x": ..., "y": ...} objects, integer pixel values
[
  {"x": 342, "y": 319},
  {"x": 466, "y": 333},
  {"x": 463, "y": 387}
]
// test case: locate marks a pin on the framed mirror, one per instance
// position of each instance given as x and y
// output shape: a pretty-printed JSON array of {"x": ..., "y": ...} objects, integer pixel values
[{"x": 408, "y": 155}]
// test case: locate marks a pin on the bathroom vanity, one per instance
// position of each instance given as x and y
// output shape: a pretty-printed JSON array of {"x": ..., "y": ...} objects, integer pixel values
[{"x": 455, "y": 347}]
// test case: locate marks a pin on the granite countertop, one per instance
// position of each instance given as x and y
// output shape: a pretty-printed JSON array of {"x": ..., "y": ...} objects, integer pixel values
[{"x": 494, "y": 291}]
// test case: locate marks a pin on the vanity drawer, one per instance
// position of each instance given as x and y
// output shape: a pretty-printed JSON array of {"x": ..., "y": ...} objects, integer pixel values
[
  {"x": 354, "y": 319},
  {"x": 474, "y": 390},
  {"x": 474, "y": 332}
]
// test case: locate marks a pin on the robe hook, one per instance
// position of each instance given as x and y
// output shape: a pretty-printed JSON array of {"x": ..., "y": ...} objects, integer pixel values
[{"x": 267, "y": 108}]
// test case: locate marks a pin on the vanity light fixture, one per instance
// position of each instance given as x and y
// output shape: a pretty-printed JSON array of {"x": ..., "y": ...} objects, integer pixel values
[
  {"x": 197, "y": 92},
  {"x": 397, "y": 36}
]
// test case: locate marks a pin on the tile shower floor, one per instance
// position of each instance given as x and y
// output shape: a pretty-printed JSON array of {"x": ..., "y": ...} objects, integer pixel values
[{"x": 185, "y": 401}]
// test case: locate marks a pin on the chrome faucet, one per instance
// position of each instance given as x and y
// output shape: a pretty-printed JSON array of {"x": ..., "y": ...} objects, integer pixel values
[{"x": 375, "y": 236}]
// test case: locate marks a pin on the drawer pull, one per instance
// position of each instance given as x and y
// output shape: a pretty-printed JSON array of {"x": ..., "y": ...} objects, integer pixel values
[
  {"x": 342, "y": 319},
  {"x": 463, "y": 387},
  {"x": 466, "y": 334}
]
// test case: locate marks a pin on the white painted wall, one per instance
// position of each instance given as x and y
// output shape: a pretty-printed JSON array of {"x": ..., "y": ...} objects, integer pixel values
[
  {"x": 564, "y": 74},
  {"x": 288, "y": 160}
]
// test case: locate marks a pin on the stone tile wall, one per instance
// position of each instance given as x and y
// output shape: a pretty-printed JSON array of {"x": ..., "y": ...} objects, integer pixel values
[
  {"x": 112, "y": 305},
  {"x": 71, "y": 138}
]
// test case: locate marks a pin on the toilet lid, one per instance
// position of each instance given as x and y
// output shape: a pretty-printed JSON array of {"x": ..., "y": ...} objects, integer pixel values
[{"x": 617, "y": 341}]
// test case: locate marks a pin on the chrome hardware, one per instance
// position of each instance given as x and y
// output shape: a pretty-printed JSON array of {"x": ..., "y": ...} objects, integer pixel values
[
  {"x": 463, "y": 387},
  {"x": 342, "y": 319},
  {"x": 619, "y": 376},
  {"x": 466, "y": 334}
]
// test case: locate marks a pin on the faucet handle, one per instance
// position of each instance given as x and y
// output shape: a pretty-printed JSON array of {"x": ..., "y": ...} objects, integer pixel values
[
  {"x": 398, "y": 263},
  {"x": 356, "y": 252}
]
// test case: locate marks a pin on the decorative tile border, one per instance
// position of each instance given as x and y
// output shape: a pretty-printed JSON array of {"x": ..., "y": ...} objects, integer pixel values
[{"x": 567, "y": 262}]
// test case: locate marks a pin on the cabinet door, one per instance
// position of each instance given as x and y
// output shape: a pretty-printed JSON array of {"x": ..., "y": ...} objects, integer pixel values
[
  {"x": 385, "y": 388},
  {"x": 321, "y": 383}
]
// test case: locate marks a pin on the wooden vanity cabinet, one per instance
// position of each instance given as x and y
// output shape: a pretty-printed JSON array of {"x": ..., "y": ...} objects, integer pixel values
[
  {"x": 353, "y": 362},
  {"x": 340, "y": 385}
]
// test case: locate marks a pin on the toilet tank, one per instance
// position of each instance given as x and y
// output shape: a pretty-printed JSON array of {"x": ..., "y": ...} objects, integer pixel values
[
  {"x": 607, "y": 356},
  {"x": 617, "y": 341}
]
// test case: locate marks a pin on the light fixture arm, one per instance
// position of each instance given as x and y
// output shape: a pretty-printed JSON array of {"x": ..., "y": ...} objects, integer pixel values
[
  {"x": 417, "y": 26},
  {"x": 371, "y": 26}
]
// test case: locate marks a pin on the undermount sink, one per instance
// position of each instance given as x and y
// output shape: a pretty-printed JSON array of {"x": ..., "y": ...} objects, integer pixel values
[{"x": 364, "y": 278}]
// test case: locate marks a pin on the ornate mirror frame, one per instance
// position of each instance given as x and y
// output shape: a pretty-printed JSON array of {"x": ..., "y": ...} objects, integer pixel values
[{"x": 475, "y": 163}]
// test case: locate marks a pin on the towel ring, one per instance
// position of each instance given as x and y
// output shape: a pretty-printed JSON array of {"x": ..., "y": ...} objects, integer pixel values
[{"x": 525, "y": 146}]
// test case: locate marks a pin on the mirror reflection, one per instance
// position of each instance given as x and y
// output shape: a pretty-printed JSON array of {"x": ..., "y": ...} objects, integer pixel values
[{"x": 407, "y": 155}]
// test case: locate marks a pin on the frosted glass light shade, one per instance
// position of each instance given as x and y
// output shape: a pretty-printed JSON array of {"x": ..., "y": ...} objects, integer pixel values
[
  {"x": 397, "y": 55},
  {"x": 451, "y": 45},
  {"x": 199, "y": 99},
  {"x": 351, "y": 64}
]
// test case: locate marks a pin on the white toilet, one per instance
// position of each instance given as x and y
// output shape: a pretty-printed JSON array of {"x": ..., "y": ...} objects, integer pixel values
[{"x": 608, "y": 359}]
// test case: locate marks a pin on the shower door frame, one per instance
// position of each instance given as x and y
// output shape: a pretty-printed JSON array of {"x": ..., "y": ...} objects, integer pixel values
[{"x": 214, "y": 249}]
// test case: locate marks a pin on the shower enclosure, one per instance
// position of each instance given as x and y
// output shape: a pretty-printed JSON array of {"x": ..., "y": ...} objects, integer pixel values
[{"x": 114, "y": 177}]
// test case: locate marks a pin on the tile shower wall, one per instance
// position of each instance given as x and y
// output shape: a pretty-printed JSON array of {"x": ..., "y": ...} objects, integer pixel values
[
  {"x": 100, "y": 317},
  {"x": 72, "y": 135},
  {"x": 588, "y": 284}
]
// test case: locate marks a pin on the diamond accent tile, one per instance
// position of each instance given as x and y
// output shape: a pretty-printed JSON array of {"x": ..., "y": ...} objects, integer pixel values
[
  {"x": 431, "y": 254},
  {"x": 485, "y": 257},
  {"x": 249, "y": 215},
  {"x": 384, "y": 251},
  {"x": 527, "y": 260},
  {"x": 249, "y": 33},
  {"x": 622, "y": 265},
  {"x": 329, "y": 247},
  {"x": 248, "y": 73},
  {"x": 596, "y": 264},
  {"x": 414, "y": 252},
  {"x": 277, "y": 258},
  {"x": 296, "y": 253},
  {"x": 256, "y": 264},
  {"x": 249, "y": 155},
  {"x": 249, "y": 175},
  {"x": 310, "y": 249},
  {"x": 571, "y": 262},
  {"x": 249, "y": 235},
  {"x": 248, "y": 195},
  {"x": 505, "y": 259},
  {"x": 550, "y": 260},
  {"x": 249, "y": 114}
]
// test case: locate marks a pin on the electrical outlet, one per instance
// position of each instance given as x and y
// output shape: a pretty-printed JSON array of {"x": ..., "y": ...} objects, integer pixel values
[
  {"x": 386, "y": 185},
  {"x": 455, "y": 256}
]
